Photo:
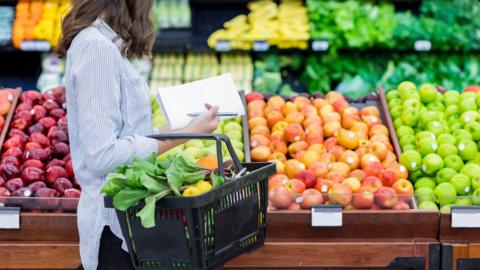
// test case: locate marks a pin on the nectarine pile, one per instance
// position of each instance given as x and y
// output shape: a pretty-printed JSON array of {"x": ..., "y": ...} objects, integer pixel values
[{"x": 326, "y": 152}]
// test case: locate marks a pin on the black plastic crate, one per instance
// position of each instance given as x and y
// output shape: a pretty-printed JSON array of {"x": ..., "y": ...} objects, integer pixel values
[{"x": 202, "y": 232}]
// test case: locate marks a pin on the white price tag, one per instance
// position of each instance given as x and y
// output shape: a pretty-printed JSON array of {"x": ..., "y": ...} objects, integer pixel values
[
  {"x": 35, "y": 46},
  {"x": 465, "y": 217},
  {"x": 223, "y": 46},
  {"x": 261, "y": 46},
  {"x": 327, "y": 216},
  {"x": 320, "y": 45},
  {"x": 423, "y": 45},
  {"x": 10, "y": 218}
]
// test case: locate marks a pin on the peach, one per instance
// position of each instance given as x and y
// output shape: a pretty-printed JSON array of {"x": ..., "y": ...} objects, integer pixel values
[
  {"x": 352, "y": 182},
  {"x": 260, "y": 153},
  {"x": 349, "y": 120},
  {"x": 378, "y": 129},
  {"x": 361, "y": 151},
  {"x": 319, "y": 103},
  {"x": 326, "y": 109},
  {"x": 385, "y": 197},
  {"x": 373, "y": 169},
  {"x": 317, "y": 147},
  {"x": 363, "y": 198},
  {"x": 293, "y": 168},
  {"x": 379, "y": 149},
  {"x": 339, "y": 167},
  {"x": 280, "y": 197},
  {"x": 255, "y": 113},
  {"x": 330, "y": 143},
  {"x": 331, "y": 128},
  {"x": 309, "y": 157},
  {"x": 380, "y": 138},
  {"x": 279, "y": 146},
  {"x": 350, "y": 111},
  {"x": 297, "y": 147},
  {"x": 372, "y": 182},
  {"x": 371, "y": 120},
  {"x": 277, "y": 136},
  {"x": 332, "y": 117},
  {"x": 347, "y": 139},
  {"x": 293, "y": 206},
  {"x": 301, "y": 101},
  {"x": 340, "y": 105},
  {"x": 277, "y": 180},
  {"x": 309, "y": 111},
  {"x": 332, "y": 96},
  {"x": 256, "y": 122},
  {"x": 276, "y": 102},
  {"x": 259, "y": 140},
  {"x": 256, "y": 104},
  {"x": 295, "y": 186},
  {"x": 351, "y": 158},
  {"x": 370, "y": 111},
  {"x": 389, "y": 159},
  {"x": 324, "y": 185},
  {"x": 298, "y": 155},
  {"x": 359, "y": 127},
  {"x": 314, "y": 138},
  {"x": 277, "y": 156},
  {"x": 294, "y": 118},
  {"x": 312, "y": 119},
  {"x": 308, "y": 178},
  {"x": 294, "y": 133},
  {"x": 362, "y": 137},
  {"x": 326, "y": 158},
  {"x": 319, "y": 169},
  {"x": 337, "y": 151},
  {"x": 279, "y": 126},
  {"x": 359, "y": 174},
  {"x": 289, "y": 107},
  {"x": 336, "y": 177},
  {"x": 404, "y": 189},
  {"x": 254, "y": 96},
  {"x": 367, "y": 159},
  {"x": 340, "y": 194},
  {"x": 274, "y": 117},
  {"x": 268, "y": 110},
  {"x": 260, "y": 130},
  {"x": 314, "y": 129},
  {"x": 311, "y": 197},
  {"x": 388, "y": 177},
  {"x": 280, "y": 167}
]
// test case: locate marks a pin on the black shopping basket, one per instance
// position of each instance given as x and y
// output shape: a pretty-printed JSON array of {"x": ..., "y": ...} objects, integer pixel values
[{"x": 205, "y": 231}]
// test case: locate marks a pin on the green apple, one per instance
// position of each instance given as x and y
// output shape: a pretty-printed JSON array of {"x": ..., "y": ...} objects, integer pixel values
[
  {"x": 445, "y": 193},
  {"x": 232, "y": 126},
  {"x": 240, "y": 154},
  {"x": 398, "y": 122},
  {"x": 462, "y": 134},
  {"x": 428, "y": 93},
  {"x": 474, "y": 129},
  {"x": 238, "y": 120},
  {"x": 411, "y": 159},
  {"x": 424, "y": 135},
  {"x": 431, "y": 163},
  {"x": 463, "y": 201},
  {"x": 451, "y": 97},
  {"x": 196, "y": 152},
  {"x": 461, "y": 183},
  {"x": 467, "y": 105},
  {"x": 425, "y": 182},
  {"x": 218, "y": 130},
  {"x": 396, "y": 112},
  {"x": 467, "y": 149},
  {"x": 211, "y": 150},
  {"x": 454, "y": 162},
  {"x": 476, "y": 197},
  {"x": 476, "y": 160},
  {"x": 405, "y": 130},
  {"x": 468, "y": 96},
  {"x": 428, "y": 206},
  {"x": 455, "y": 126},
  {"x": 234, "y": 135},
  {"x": 436, "y": 127},
  {"x": 410, "y": 117},
  {"x": 188, "y": 157},
  {"x": 237, "y": 145},
  {"x": 446, "y": 139},
  {"x": 392, "y": 95},
  {"x": 416, "y": 175},
  {"x": 194, "y": 143},
  {"x": 471, "y": 170},
  {"x": 411, "y": 95},
  {"x": 407, "y": 147},
  {"x": 394, "y": 102},
  {"x": 475, "y": 182},
  {"x": 444, "y": 175},
  {"x": 428, "y": 116},
  {"x": 405, "y": 87},
  {"x": 407, "y": 139},
  {"x": 436, "y": 106},
  {"x": 427, "y": 146},
  {"x": 425, "y": 194},
  {"x": 451, "y": 110},
  {"x": 446, "y": 208},
  {"x": 411, "y": 103},
  {"x": 469, "y": 116},
  {"x": 445, "y": 150}
]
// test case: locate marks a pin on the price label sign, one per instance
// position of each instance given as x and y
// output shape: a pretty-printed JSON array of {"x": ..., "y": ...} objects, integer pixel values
[
  {"x": 10, "y": 218},
  {"x": 35, "y": 46},
  {"x": 466, "y": 217},
  {"x": 261, "y": 46},
  {"x": 320, "y": 45},
  {"x": 327, "y": 216},
  {"x": 223, "y": 46},
  {"x": 423, "y": 45}
]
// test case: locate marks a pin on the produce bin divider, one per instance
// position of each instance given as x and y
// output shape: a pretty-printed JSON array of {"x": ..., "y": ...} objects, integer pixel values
[
  {"x": 16, "y": 94},
  {"x": 383, "y": 104},
  {"x": 246, "y": 131}
]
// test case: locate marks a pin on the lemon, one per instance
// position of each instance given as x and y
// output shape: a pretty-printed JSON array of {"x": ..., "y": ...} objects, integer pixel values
[
  {"x": 203, "y": 186},
  {"x": 191, "y": 191}
]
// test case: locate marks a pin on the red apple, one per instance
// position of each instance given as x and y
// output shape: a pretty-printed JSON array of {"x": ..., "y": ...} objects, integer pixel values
[
  {"x": 295, "y": 186},
  {"x": 363, "y": 198},
  {"x": 311, "y": 197},
  {"x": 385, "y": 197},
  {"x": 340, "y": 194},
  {"x": 308, "y": 178},
  {"x": 401, "y": 206},
  {"x": 280, "y": 197},
  {"x": 373, "y": 182},
  {"x": 404, "y": 190}
]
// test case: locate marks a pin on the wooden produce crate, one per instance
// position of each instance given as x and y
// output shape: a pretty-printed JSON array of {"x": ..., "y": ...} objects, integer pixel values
[
  {"x": 9, "y": 117},
  {"x": 460, "y": 247}
]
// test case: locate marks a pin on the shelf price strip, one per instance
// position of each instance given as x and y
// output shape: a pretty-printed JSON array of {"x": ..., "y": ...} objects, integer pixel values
[
  {"x": 10, "y": 218},
  {"x": 261, "y": 46},
  {"x": 35, "y": 46},
  {"x": 327, "y": 216},
  {"x": 466, "y": 217},
  {"x": 223, "y": 46}
]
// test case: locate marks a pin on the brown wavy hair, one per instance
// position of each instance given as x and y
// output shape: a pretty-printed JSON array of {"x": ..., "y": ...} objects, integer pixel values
[{"x": 130, "y": 19}]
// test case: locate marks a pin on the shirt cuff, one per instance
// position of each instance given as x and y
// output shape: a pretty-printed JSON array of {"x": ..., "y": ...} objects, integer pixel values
[{"x": 146, "y": 146}]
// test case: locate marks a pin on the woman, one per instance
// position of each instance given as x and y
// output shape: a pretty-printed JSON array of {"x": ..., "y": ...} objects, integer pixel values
[{"x": 109, "y": 112}]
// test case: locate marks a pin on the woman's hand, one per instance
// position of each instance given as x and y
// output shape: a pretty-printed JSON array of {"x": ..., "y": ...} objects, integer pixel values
[{"x": 205, "y": 123}]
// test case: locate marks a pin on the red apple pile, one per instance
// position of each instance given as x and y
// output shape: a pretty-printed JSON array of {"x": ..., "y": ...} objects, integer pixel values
[
  {"x": 326, "y": 152},
  {"x": 35, "y": 159}
]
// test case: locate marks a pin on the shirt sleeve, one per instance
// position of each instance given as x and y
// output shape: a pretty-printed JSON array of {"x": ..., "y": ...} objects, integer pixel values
[{"x": 98, "y": 97}]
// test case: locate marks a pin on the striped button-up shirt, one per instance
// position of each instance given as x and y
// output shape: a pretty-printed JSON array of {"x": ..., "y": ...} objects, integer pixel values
[{"x": 109, "y": 114}]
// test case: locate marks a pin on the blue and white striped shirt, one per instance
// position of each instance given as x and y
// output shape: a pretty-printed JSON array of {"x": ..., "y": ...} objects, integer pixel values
[{"x": 109, "y": 114}]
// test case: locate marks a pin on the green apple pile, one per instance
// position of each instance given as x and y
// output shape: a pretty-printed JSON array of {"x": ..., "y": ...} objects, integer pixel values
[{"x": 440, "y": 139}]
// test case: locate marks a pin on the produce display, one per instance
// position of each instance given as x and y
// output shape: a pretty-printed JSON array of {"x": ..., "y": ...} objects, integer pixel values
[
  {"x": 327, "y": 151},
  {"x": 6, "y": 18},
  {"x": 53, "y": 69},
  {"x": 35, "y": 160},
  {"x": 171, "y": 14},
  {"x": 285, "y": 25},
  {"x": 39, "y": 20},
  {"x": 6, "y": 98},
  {"x": 152, "y": 179},
  {"x": 439, "y": 133}
]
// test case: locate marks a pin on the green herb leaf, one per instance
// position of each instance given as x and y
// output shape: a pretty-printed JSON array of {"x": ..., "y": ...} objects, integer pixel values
[
  {"x": 115, "y": 183},
  {"x": 217, "y": 180},
  {"x": 147, "y": 214},
  {"x": 152, "y": 184},
  {"x": 128, "y": 197}
]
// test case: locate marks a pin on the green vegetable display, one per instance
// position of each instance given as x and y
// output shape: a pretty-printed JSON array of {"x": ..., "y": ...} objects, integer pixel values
[{"x": 151, "y": 179}]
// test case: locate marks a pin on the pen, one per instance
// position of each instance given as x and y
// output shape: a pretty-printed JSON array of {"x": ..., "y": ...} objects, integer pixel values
[{"x": 195, "y": 114}]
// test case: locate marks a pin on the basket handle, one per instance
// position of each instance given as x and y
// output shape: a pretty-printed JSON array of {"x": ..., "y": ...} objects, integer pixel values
[{"x": 218, "y": 142}]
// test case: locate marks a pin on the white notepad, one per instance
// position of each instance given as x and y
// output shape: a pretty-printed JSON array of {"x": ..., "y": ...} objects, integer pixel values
[{"x": 180, "y": 100}]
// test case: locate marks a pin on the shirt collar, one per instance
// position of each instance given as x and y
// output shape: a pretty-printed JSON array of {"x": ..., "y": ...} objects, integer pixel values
[{"x": 108, "y": 32}]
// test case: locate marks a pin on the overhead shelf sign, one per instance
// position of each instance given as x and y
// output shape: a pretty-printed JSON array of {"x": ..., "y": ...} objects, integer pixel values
[
  {"x": 223, "y": 46},
  {"x": 320, "y": 45},
  {"x": 35, "y": 46}
]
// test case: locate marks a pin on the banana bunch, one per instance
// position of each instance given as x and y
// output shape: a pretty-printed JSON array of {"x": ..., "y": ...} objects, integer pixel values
[
  {"x": 285, "y": 26},
  {"x": 49, "y": 26}
]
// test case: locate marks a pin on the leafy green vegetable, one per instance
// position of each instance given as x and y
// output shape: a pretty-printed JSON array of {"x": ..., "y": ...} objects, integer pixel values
[
  {"x": 128, "y": 197},
  {"x": 217, "y": 180}
]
